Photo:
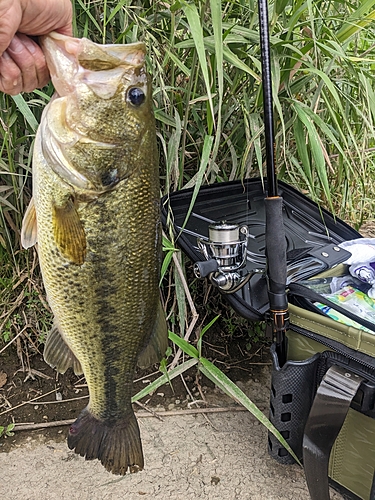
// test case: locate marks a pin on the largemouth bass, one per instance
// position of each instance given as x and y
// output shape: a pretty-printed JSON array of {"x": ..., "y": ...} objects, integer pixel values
[{"x": 95, "y": 218}]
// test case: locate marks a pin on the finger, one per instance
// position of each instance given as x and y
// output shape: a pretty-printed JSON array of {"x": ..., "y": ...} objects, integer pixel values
[
  {"x": 10, "y": 19},
  {"x": 42, "y": 17},
  {"x": 29, "y": 57},
  {"x": 39, "y": 62},
  {"x": 10, "y": 75}
]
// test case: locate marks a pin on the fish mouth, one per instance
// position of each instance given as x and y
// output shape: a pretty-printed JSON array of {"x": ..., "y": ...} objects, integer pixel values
[
  {"x": 67, "y": 56},
  {"x": 132, "y": 54}
]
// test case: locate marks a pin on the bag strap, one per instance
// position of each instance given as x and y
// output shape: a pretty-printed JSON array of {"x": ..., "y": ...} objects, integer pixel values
[{"x": 327, "y": 415}]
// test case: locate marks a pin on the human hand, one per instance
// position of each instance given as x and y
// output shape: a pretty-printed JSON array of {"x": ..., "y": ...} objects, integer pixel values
[{"x": 22, "y": 64}]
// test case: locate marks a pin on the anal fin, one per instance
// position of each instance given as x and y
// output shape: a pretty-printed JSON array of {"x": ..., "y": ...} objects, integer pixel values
[
  {"x": 158, "y": 342},
  {"x": 58, "y": 354}
]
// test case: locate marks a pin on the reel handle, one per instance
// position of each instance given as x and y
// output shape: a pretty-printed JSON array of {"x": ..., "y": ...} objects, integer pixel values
[{"x": 203, "y": 268}]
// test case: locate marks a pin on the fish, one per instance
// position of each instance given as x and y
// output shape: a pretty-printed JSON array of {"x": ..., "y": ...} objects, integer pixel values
[{"x": 95, "y": 219}]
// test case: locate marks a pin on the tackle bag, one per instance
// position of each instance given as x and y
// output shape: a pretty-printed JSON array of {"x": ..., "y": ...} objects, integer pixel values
[{"x": 323, "y": 397}]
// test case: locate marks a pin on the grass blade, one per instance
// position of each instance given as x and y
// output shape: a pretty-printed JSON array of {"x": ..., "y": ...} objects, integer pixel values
[
  {"x": 193, "y": 19},
  {"x": 25, "y": 111},
  {"x": 357, "y": 21},
  {"x": 316, "y": 150},
  {"x": 232, "y": 390},
  {"x": 197, "y": 179},
  {"x": 184, "y": 345},
  {"x": 164, "y": 379}
]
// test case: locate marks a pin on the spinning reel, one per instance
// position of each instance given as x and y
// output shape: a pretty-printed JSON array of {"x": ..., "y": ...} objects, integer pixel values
[{"x": 225, "y": 254}]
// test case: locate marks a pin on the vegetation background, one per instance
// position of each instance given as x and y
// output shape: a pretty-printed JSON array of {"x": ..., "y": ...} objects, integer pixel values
[{"x": 204, "y": 57}]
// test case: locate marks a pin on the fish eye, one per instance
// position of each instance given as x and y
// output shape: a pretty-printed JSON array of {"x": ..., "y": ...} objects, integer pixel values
[{"x": 136, "y": 96}]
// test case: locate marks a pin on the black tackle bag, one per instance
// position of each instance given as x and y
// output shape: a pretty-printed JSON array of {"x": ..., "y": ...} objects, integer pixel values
[{"x": 323, "y": 397}]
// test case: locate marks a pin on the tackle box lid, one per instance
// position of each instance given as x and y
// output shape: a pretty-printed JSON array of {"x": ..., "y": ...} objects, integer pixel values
[{"x": 308, "y": 227}]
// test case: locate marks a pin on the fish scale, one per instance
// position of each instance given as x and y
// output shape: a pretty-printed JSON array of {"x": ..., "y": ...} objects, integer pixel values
[{"x": 98, "y": 232}]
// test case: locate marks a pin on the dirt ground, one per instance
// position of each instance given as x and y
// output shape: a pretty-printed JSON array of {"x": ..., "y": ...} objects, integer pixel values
[{"x": 221, "y": 456}]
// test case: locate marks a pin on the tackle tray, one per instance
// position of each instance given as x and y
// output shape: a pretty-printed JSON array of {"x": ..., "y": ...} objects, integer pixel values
[{"x": 308, "y": 228}]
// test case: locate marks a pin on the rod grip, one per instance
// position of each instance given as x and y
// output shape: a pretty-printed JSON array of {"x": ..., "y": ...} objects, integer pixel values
[{"x": 276, "y": 253}]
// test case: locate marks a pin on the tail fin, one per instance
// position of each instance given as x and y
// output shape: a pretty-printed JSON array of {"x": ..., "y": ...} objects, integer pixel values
[{"x": 117, "y": 444}]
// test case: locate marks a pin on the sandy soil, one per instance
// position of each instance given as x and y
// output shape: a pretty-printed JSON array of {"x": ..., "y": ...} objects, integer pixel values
[{"x": 187, "y": 457}]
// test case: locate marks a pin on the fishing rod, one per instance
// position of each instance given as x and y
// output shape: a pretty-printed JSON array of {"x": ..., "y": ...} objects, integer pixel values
[{"x": 275, "y": 231}]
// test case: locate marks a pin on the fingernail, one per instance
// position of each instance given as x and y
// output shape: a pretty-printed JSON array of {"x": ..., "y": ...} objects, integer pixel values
[
  {"x": 16, "y": 45},
  {"x": 31, "y": 46}
]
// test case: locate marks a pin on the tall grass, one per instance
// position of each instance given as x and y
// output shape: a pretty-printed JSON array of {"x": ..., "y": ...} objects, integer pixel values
[{"x": 205, "y": 60}]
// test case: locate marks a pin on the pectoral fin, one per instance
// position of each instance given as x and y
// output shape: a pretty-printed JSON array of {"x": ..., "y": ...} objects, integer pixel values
[
  {"x": 58, "y": 354},
  {"x": 29, "y": 235},
  {"x": 158, "y": 343},
  {"x": 69, "y": 233}
]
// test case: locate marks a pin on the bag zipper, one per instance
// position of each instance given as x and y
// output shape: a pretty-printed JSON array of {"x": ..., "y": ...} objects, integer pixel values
[{"x": 337, "y": 347}]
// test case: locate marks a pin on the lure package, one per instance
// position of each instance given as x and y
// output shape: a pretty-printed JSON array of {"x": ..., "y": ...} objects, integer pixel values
[
  {"x": 355, "y": 301},
  {"x": 341, "y": 318}
]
